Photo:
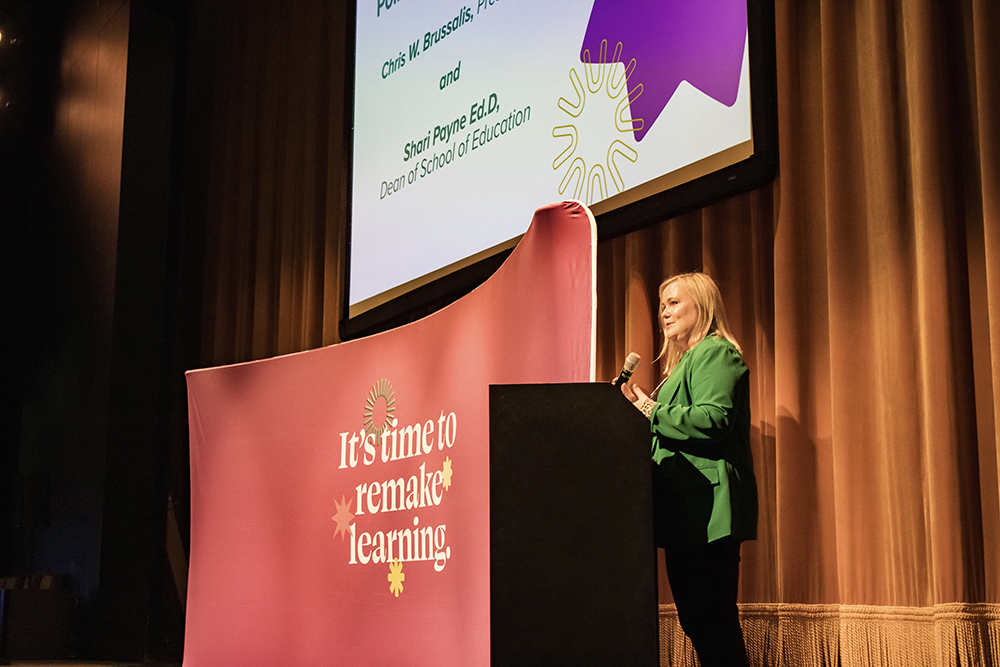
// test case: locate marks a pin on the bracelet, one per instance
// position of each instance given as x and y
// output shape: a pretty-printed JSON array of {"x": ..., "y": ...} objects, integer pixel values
[{"x": 647, "y": 408}]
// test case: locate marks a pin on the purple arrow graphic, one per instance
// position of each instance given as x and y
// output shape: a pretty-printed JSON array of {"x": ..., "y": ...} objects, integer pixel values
[{"x": 698, "y": 41}]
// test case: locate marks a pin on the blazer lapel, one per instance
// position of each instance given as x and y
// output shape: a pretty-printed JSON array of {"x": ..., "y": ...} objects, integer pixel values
[{"x": 673, "y": 385}]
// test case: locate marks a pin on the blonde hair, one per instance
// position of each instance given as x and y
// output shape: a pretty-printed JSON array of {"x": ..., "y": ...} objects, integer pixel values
[{"x": 711, "y": 315}]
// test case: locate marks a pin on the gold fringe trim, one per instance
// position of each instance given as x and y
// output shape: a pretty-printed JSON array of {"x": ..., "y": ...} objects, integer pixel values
[{"x": 792, "y": 635}]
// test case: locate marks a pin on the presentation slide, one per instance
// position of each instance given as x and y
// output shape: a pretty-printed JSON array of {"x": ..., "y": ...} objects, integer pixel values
[{"x": 501, "y": 106}]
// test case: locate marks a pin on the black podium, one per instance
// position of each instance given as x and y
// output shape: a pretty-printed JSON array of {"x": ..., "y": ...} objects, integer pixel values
[{"x": 572, "y": 562}]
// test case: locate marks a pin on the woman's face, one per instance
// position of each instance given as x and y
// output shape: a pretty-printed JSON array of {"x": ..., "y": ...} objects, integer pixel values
[{"x": 678, "y": 315}]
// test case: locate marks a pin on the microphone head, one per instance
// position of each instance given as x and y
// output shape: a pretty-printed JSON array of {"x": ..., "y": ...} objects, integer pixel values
[{"x": 632, "y": 362}]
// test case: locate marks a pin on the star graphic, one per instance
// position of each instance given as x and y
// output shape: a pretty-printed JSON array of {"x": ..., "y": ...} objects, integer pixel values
[
  {"x": 343, "y": 517},
  {"x": 671, "y": 41},
  {"x": 446, "y": 473},
  {"x": 396, "y": 577}
]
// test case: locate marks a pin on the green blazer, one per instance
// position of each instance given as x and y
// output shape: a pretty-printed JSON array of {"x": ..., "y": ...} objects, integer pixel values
[{"x": 703, "y": 481}]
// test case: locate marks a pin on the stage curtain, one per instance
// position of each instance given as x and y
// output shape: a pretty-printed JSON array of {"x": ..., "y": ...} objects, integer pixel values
[
  {"x": 863, "y": 285},
  {"x": 266, "y": 175}
]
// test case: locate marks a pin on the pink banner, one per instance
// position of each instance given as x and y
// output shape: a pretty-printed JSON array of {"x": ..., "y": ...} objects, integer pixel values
[{"x": 340, "y": 497}]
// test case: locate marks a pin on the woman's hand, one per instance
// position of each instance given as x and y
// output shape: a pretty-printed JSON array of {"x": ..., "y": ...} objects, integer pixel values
[
  {"x": 640, "y": 399},
  {"x": 635, "y": 394}
]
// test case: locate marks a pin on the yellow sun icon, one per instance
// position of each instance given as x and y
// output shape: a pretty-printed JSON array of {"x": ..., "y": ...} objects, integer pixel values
[{"x": 588, "y": 170}]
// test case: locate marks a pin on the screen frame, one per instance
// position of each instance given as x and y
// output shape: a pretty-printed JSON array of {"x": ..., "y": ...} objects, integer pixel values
[{"x": 453, "y": 282}]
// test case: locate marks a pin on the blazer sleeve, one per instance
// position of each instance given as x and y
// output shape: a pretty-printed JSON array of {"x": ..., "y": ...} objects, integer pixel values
[{"x": 712, "y": 379}]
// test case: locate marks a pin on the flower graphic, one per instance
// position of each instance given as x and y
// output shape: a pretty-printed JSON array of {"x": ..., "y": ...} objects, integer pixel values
[
  {"x": 396, "y": 577},
  {"x": 446, "y": 473}
]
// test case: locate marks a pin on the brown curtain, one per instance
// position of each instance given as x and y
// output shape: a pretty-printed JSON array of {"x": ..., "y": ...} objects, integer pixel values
[
  {"x": 864, "y": 289},
  {"x": 265, "y": 158},
  {"x": 863, "y": 285}
]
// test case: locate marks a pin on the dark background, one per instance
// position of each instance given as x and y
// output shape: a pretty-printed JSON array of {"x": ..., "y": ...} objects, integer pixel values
[{"x": 101, "y": 255}]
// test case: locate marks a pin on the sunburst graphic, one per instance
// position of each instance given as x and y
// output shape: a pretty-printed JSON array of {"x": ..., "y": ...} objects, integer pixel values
[
  {"x": 606, "y": 87},
  {"x": 380, "y": 408}
]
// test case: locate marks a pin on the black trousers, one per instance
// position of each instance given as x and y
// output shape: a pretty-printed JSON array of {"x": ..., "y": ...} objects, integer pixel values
[{"x": 705, "y": 581}]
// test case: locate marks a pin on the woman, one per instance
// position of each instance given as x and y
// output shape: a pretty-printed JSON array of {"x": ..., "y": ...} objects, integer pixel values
[{"x": 704, "y": 490}]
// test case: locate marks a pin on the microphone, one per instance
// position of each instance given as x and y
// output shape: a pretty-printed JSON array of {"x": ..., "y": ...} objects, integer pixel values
[{"x": 631, "y": 363}]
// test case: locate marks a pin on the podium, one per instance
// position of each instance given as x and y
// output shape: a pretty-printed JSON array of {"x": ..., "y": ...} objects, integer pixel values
[{"x": 572, "y": 561}]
